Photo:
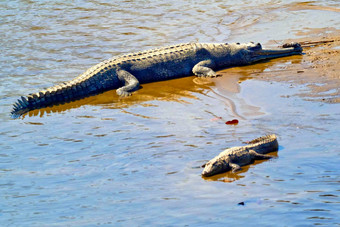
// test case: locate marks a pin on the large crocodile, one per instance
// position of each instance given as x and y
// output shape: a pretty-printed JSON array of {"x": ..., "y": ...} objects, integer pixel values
[
  {"x": 235, "y": 157},
  {"x": 126, "y": 72}
]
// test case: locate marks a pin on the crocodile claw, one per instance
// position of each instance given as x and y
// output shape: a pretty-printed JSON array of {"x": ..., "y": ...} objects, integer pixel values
[
  {"x": 210, "y": 74},
  {"x": 292, "y": 44},
  {"x": 123, "y": 93}
]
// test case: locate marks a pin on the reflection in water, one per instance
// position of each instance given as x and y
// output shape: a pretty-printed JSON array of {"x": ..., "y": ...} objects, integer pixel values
[
  {"x": 224, "y": 87},
  {"x": 171, "y": 90}
]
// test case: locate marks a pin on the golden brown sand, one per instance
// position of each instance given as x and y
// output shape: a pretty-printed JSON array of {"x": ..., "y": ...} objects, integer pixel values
[{"x": 318, "y": 68}]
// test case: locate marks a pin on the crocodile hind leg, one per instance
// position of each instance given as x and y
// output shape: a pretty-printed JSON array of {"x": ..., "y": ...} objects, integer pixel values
[
  {"x": 202, "y": 69},
  {"x": 260, "y": 156},
  {"x": 131, "y": 83},
  {"x": 234, "y": 167}
]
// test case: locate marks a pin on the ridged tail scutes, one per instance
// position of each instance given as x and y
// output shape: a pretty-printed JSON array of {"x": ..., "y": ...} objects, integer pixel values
[
  {"x": 57, "y": 94},
  {"x": 21, "y": 107},
  {"x": 263, "y": 139}
]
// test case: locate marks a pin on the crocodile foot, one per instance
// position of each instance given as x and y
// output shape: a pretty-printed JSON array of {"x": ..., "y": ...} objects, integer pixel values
[
  {"x": 209, "y": 74},
  {"x": 295, "y": 45},
  {"x": 123, "y": 93}
]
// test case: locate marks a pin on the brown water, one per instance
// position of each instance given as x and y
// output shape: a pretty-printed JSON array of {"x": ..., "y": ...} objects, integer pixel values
[{"x": 136, "y": 161}]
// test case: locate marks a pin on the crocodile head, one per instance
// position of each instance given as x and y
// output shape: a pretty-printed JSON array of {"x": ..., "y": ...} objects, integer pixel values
[
  {"x": 214, "y": 167},
  {"x": 256, "y": 53}
]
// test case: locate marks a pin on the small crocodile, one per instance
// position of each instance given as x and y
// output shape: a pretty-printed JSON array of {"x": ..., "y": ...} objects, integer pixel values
[
  {"x": 126, "y": 72},
  {"x": 235, "y": 157}
]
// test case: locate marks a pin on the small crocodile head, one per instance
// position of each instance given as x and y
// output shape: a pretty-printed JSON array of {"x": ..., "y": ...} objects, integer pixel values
[
  {"x": 214, "y": 167},
  {"x": 256, "y": 53}
]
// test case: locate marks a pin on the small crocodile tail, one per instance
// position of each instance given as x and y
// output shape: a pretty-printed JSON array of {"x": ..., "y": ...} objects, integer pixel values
[
  {"x": 263, "y": 139},
  {"x": 264, "y": 144},
  {"x": 65, "y": 92}
]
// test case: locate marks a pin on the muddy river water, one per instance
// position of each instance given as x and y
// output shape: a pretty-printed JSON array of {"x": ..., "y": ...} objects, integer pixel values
[{"x": 136, "y": 161}]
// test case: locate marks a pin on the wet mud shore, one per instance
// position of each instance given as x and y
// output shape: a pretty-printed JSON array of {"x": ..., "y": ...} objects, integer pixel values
[{"x": 318, "y": 68}]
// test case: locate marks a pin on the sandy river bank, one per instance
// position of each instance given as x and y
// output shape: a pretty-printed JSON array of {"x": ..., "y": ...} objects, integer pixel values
[{"x": 319, "y": 68}]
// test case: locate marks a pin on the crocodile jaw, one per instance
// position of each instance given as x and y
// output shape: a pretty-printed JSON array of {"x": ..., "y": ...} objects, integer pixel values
[{"x": 287, "y": 50}]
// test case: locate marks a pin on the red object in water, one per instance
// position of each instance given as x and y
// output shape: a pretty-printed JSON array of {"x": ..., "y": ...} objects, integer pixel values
[{"x": 232, "y": 122}]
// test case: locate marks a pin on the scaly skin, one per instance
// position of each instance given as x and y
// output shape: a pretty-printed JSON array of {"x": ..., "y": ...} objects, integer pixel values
[
  {"x": 235, "y": 157},
  {"x": 126, "y": 72}
]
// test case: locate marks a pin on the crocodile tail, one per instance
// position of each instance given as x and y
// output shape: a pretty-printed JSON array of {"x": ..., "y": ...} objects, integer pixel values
[
  {"x": 262, "y": 139},
  {"x": 62, "y": 93}
]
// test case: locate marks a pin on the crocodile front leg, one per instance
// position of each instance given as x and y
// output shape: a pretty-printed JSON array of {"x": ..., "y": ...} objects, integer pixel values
[
  {"x": 234, "y": 167},
  {"x": 203, "y": 69},
  {"x": 131, "y": 83}
]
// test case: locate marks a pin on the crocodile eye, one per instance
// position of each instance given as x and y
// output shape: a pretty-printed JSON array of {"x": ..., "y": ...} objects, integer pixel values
[{"x": 258, "y": 46}]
